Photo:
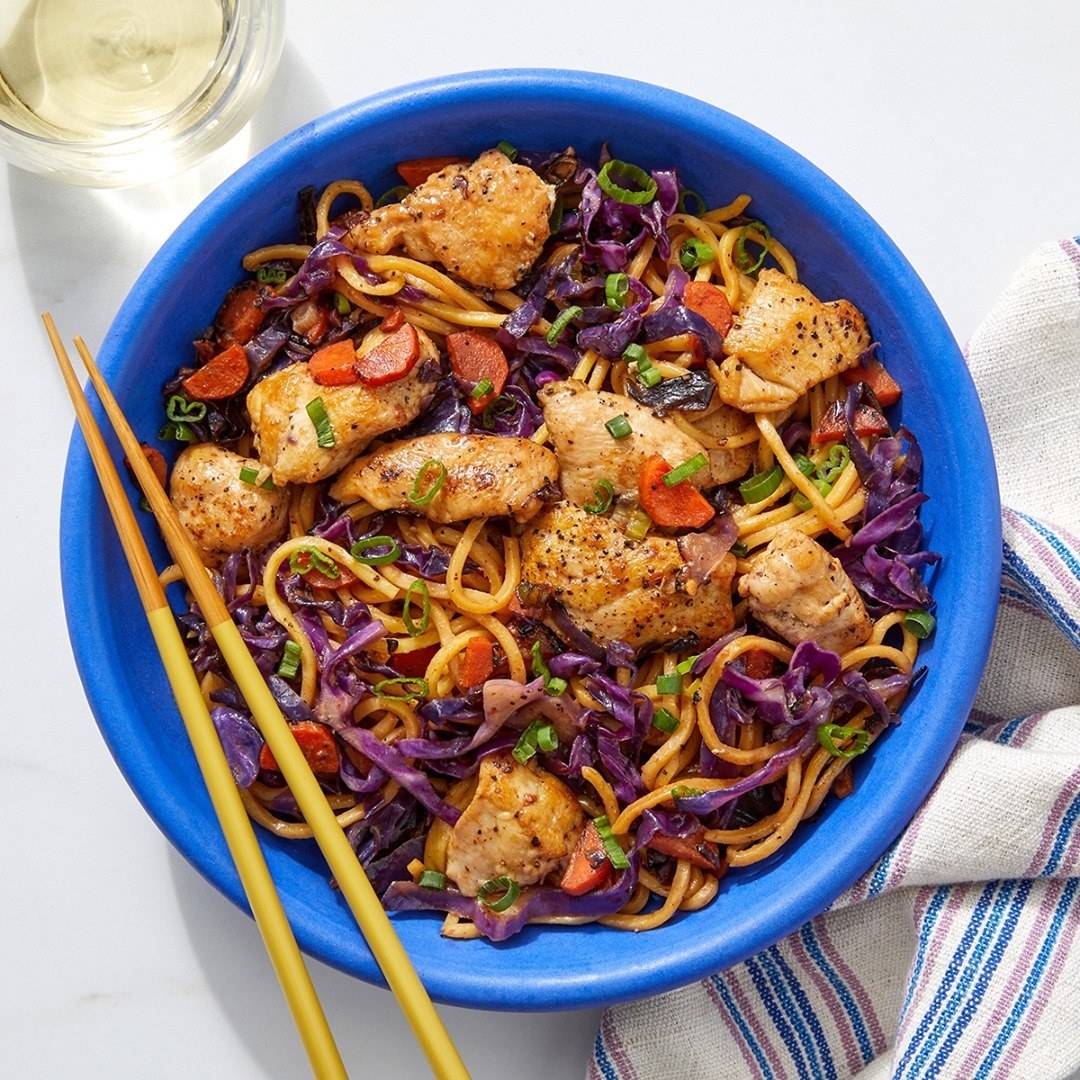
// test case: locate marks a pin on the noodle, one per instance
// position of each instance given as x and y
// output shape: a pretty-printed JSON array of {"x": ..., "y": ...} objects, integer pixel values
[{"x": 381, "y": 623}]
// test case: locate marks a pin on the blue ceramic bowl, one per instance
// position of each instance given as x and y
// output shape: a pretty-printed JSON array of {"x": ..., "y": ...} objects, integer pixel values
[{"x": 841, "y": 252}]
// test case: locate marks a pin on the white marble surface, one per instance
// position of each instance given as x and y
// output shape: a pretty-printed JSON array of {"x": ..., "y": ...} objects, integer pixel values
[{"x": 955, "y": 125}]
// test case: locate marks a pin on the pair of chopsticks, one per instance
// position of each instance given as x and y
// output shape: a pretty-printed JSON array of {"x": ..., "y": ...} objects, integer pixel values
[{"x": 265, "y": 903}]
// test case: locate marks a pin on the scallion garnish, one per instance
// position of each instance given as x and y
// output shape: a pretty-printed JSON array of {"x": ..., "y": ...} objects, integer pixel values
[
  {"x": 636, "y": 354},
  {"x": 553, "y": 684},
  {"x": 616, "y": 290},
  {"x": 805, "y": 465},
  {"x": 271, "y": 275},
  {"x": 612, "y": 847},
  {"x": 417, "y": 592},
  {"x": 290, "y": 660},
  {"x": 414, "y": 688},
  {"x": 684, "y": 667},
  {"x": 508, "y": 149},
  {"x": 837, "y": 461},
  {"x": 393, "y": 195},
  {"x": 830, "y": 735},
  {"x": 684, "y": 198},
  {"x": 801, "y": 502},
  {"x": 324, "y": 431},
  {"x": 422, "y": 493},
  {"x": 637, "y": 524},
  {"x": 614, "y": 177},
  {"x": 304, "y": 559},
  {"x": 369, "y": 550},
  {"x": 618, "y": 427},
  {"x": 179, "y": 409},
  {"x": 539, "y": 735},
  {"x": 685, "y": 470},
  {"x": 499, "y": 893},
  {"x": 562, "y": 320},
  {"x": 920, "y": 623},
  {"x": 739, "y": 549},
  {"x": 248, "y": 475},
  {"x": 482, "y": 389},
  {"x": 503, "y": 405},
  {"x": 742, "y": 258},
  {"x": 669, "y": 684},
  {"x": 685, "y": 791},
  {"x": 761, "y": 485},
  {"x": 176, "y": 431},
  {"x": 431, "y": 879},
  {"x": 647, "y": 373},
  {"x": 695, "y": 253},
  {"x": 604, "y": 493},
  {"x": 665, "y": 721},
  {"x": 341, "y": 304}
]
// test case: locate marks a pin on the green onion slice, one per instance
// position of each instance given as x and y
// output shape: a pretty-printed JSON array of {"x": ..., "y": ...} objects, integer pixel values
[
  {"x": 176, "y": 431},
  {"x": 837, "y": 461},
  {"x": 508, "y": 149},
  {"x": 616, "y": 290},
  {"x": 685, "y": 470},
  {"x": 324, "y": 431},
  {"x": 290, "y": 660},
  {"x": 805, "y": 464},
  {"x": 417, "y": 592},
  {"x": 316, "y": 560},
  {"x": 614, "y": 177},
  {"x": 647, "y": 373},
  {"x": 180, "y": 410},
  {"x": 684, "y": 667},
  {"x": 739, "y": 549},
  {"x": 616, "y": 855},
  {"x": 539, "y": 735},
  {"x": 666, "y": 721},
  {"x": 562, "y": 320},
  {"x": 618, "y": 427},
  {"x": 553, "y": 684},
  {"x": 422, "y": 494},
  {"x": 695, "y": 253},
  {"x": 369, "y": 550},
  {"x": 684, "y": 791},
  {"x": 341, "y": 304},
  {"x": 801, "y": 502},
  {"x": 920, "y": 623},
  {"x": 636, "y": 354},
  {"x": 499, "y": 893},
  {"x": 761, "y": 485},
  {"x": 669, "y": 684},
  {"x": 395, "y": 194},
  {"x": 271, "y": 275},
  {"x": 503, "y": 405},
  {"x": 251, "y": 476},
  {"x": 638, "y": 524},
  {"x": 414, "y": 688},
  {"x": 829, "y": 735},
  {"x": 604, "y": 493},
  {"x": 685, "y": 197},
  {"x": 742, "y": 258},
  {"x": 482, "y": 389},
  {"x": 431, "y": 879}
]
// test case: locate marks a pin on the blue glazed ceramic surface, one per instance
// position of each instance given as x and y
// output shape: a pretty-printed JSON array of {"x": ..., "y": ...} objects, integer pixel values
[{"x": 840, "y": 251}]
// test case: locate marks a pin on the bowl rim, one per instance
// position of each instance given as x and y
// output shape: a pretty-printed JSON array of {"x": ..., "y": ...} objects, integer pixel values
[{"x": 505, "y": 977}]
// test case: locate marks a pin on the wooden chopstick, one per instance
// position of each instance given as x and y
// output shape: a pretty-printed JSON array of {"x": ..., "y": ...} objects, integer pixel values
[
  {"x": 239, "y": 833},
  {"x": 374, "y": 923}
]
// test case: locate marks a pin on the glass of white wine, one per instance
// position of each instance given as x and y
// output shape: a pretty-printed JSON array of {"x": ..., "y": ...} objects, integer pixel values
[{"x": 109, "y": 93}]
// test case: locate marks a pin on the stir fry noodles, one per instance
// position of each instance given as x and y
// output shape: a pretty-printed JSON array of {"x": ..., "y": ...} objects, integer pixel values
[{"x": 567, "y": 527}]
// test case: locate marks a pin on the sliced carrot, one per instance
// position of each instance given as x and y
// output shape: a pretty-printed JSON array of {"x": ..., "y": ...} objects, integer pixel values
[
  {"x": 334, "y": 365},
  {"x": 589, "y": 866},
  {"x": 316, "y": 741},
  {"x": 220, "y": 377},
  {"x": 157, "y": 462},
  {"x": 393, "y": 321},
  {"x": 392, "y": 359},
  {"x": 831, "y": 427},
  {"x": 476, "y": 664},
  {"x": 475, "y": 357},
  {"x": 681, "y": 506},
  {"x": 711, "y": 303},
  {"x": 416, "y": 170},
  {"x": 413, "y": 663},
  {"x": 241, "y": 314},
  {"x": 759, "y": 663},
  {"x": 872, "y": 372}
]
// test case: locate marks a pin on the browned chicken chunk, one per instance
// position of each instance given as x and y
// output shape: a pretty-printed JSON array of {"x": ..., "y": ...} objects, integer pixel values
[
  {"x": 587, "y": 452},
  {"x": 486, "y": 476},
  {"x": 285, "y": 434},
  {"x": 644, "y": 593},
  {"x": 485, "y": 222},
  {"x": 222, "y": 513},
  {"x": 802, "y": 593},
  {"x": 522, "y": 823},
  {"x": 784, "y": 341}
]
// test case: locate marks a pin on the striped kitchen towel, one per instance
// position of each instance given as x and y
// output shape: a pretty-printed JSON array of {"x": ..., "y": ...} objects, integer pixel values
[{"x": 952, "y": 957}]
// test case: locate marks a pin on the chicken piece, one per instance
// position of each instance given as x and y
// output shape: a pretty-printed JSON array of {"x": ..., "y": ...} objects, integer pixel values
[
  {"x": 801, "y": 592},
  {"x": 522, "y": 823},
  {"x": 486, "y": 476},
  {"x": 615, "y": 589},
  {"x": 485, "y": 222},
  {"x": 285, "y": 435},
  {"x": 222, "y": 513},
  {"x": 722, "y": 422},
  {"x": 784, "y": 341},
  {"x": 587, "y": 452}
]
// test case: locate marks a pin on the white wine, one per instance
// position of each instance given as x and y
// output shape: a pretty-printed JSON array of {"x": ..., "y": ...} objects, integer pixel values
[{"x": 90, "y": 69}]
